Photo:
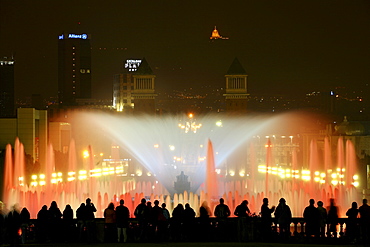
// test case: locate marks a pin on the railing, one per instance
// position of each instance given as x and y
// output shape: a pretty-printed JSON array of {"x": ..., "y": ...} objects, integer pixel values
[{"x": 232, "y": 229}]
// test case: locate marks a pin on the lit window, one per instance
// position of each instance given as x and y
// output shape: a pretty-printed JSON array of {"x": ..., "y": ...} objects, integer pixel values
[
  {"x": 73, "y": 59},
  {"x": 88, "y": 71},
  {"x": 73, "y": 64},
  {"x": 82, "y": 71},
  {"x": 73, "y": 47},
  {"x": 73, "y": 75}
]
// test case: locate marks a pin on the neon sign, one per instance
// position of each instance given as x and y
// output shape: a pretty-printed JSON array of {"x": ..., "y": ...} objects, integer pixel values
[
  {"x": 132, "y": 64},
  {"x": 74, "y": 36}
]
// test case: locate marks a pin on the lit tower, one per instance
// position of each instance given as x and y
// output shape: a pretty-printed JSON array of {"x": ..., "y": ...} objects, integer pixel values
[
  {"x": 74, "y": 68},
  {"x": 236, "y": 95},
  {"x": 143, "y": 94}
]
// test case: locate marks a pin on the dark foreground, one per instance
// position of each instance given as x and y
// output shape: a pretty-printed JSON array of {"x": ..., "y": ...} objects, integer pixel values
[{"x": 192, "y": 244}]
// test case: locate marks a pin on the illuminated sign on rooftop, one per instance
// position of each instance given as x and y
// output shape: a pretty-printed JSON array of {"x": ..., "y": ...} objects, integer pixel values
[
  {"x": 74, "y": 36},
  {"x": 132, "y": 64},
  {"x": 6, "y": 62}
]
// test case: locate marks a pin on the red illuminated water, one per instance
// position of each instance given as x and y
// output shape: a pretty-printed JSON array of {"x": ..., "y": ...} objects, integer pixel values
[{"x": 254, "y": 188}]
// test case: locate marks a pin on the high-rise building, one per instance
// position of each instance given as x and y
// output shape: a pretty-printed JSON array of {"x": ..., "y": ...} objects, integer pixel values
[
  {"x": 236, "y": 96},
  {"x": 143, "y": 94},
  {"x": 74, "y": 68},
  {"x": 7, "y": 108},
  {"x": 123, "y": 86},
  {"x": 134, "y": 89}
]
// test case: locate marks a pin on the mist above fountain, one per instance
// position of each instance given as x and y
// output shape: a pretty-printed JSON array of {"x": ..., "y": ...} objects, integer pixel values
[{"x": 218, "y": 154}]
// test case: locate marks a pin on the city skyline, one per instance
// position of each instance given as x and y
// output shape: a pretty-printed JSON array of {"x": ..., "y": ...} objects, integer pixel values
[{"x": 285, "y": 47}]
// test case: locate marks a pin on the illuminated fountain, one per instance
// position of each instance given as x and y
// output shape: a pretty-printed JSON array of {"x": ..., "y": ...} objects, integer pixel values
[{"x": 220, "y": 158}]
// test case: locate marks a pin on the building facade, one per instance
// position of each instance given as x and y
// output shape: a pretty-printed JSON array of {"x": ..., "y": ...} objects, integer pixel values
[
  {"x": 74, "y": 68},
  {"x": 236, "y": 96},
  {"x": 7, "y": 108}
]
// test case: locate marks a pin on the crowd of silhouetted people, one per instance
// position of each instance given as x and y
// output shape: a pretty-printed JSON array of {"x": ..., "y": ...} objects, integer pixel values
[{"x": 154, "y": 223}]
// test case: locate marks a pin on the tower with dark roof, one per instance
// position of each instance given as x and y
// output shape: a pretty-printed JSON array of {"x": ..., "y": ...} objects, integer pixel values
[
  {"x": 236, "y": 96},
  {"x": 144, "y": 94}
]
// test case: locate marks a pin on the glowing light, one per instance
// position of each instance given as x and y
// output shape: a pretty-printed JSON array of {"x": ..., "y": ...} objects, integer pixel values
[
  {"x": 34, "y": 177},
  {"x": 355, "y": 177},
  {"x": 156, "y": 145},
  {"x": 85, "y": 154},
  {"x": 172, "y": 147},
  {"x": 219, "y": 123},
  {"x": 356, "y": 184},
  {"x": 42, "y": 176},
  {"x": 232, "y": 173}
]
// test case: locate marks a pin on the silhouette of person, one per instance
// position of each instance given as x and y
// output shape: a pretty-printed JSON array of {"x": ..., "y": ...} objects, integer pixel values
[
  {"x": 166, "y": 215},
  {"x": 266, "y": 219},
  {"x": 283, "y": 217},
  {"x": 352, "y": 223},
  {"x": 90, "y": 220},
  {"x": 222, "y": 212},
  {"x": 25, "y": 220},
  {"x": 81, "y": 221},
  {"x": 150, "y": 231},
  {"x": 243, "y": 213},
  {"x": 43, "y": 224},
  {"x": 204, "y": 223},
  {"x": 188, "y": 222},
  {"x": 311, "y": 217},
  {"x": 110, "y": 223},
  {"x": 122, "y": 217},
  {"x": 364, "y": 211},
  {"x": 68, "y": 223},
  {"x": 157, "y": 220},
  {"x": 332, "y": 218},
  {"x": 323, "y": 215},
  {"x": 176, "y": 222},
  {"x": 55, "y": 221},
  {"x": 14, "y": 224},
  {"x": 141, "y": 214}
]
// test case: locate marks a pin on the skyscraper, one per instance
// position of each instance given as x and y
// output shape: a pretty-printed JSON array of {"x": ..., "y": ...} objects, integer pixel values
[
  {"x": 7, "y": 88},
  {"x": 74, "y": 68}
]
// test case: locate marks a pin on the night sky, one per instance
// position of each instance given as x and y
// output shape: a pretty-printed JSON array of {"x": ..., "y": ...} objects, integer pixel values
[{"x": 286, "y": 46}]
